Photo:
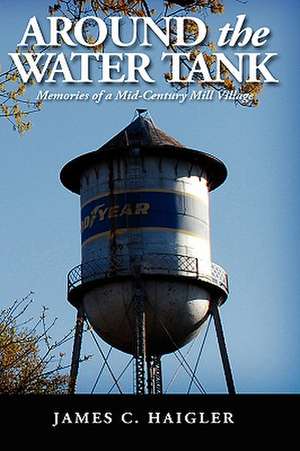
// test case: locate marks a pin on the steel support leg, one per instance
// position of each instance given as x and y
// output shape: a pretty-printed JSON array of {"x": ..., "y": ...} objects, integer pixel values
[
  {"x": 76, "y": 350},
  {"x": 154, "y": 375},
  {"x": 223, "y": 350},
  {"x": 140, "y": 342}
]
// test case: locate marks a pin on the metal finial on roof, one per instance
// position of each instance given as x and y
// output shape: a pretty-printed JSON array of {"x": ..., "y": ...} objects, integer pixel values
[{"x": 141, "y": 112}]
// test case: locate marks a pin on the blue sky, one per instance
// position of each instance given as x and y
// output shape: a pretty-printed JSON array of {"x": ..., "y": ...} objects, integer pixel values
[{"x": 254, "y": 215}]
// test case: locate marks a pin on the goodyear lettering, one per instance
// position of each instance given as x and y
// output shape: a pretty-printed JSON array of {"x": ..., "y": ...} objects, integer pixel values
[
  {"x": 101, "y": 213},
  {"x": 126, "y": 210},
  {"x": 142, "y": 210}
]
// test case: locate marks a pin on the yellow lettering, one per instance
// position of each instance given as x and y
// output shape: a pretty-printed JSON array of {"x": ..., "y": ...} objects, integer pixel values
[
  {"x": 93, "y": 216},
  {"x": 142, "y": 208},
  {"x": 113, "y": 211},
  {"x": 85, "y": 223},
  {"x": 102, "y": 213},
  {"x": 126, "y": 210}
]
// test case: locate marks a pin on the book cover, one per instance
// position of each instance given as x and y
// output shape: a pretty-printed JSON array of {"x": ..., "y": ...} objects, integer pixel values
[{"x": 149, "y": 193}]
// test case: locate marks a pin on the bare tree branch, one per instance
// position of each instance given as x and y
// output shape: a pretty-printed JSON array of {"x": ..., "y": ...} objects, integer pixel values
[{"x": 31, "y": 361}]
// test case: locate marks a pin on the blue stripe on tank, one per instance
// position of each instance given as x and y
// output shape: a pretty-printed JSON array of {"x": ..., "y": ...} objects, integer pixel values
[{"x": 142, "y": 209}]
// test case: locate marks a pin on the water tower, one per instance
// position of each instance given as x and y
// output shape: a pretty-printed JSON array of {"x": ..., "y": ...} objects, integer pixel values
[{"x": 146, "y": 281}]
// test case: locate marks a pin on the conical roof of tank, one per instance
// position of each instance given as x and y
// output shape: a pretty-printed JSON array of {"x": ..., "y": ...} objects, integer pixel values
[{"x": 143, "y": 134}]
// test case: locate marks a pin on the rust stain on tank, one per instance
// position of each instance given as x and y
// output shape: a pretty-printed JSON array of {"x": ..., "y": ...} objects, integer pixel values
[{"x": 113, "y": 237}]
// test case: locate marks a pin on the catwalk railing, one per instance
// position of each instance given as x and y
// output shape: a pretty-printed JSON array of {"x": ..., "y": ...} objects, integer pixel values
[{"x": 163, "y": 264}]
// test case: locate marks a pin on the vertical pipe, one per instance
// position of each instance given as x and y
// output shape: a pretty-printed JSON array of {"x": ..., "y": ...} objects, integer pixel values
[
  {"x": 76, "y": 350},
  {"x": 223, "y": 350}
]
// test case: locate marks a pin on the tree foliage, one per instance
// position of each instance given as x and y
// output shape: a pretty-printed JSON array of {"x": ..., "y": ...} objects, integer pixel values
[
  {"x": 30, "y": 359},
  {"x": 15, "y": 106}
]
